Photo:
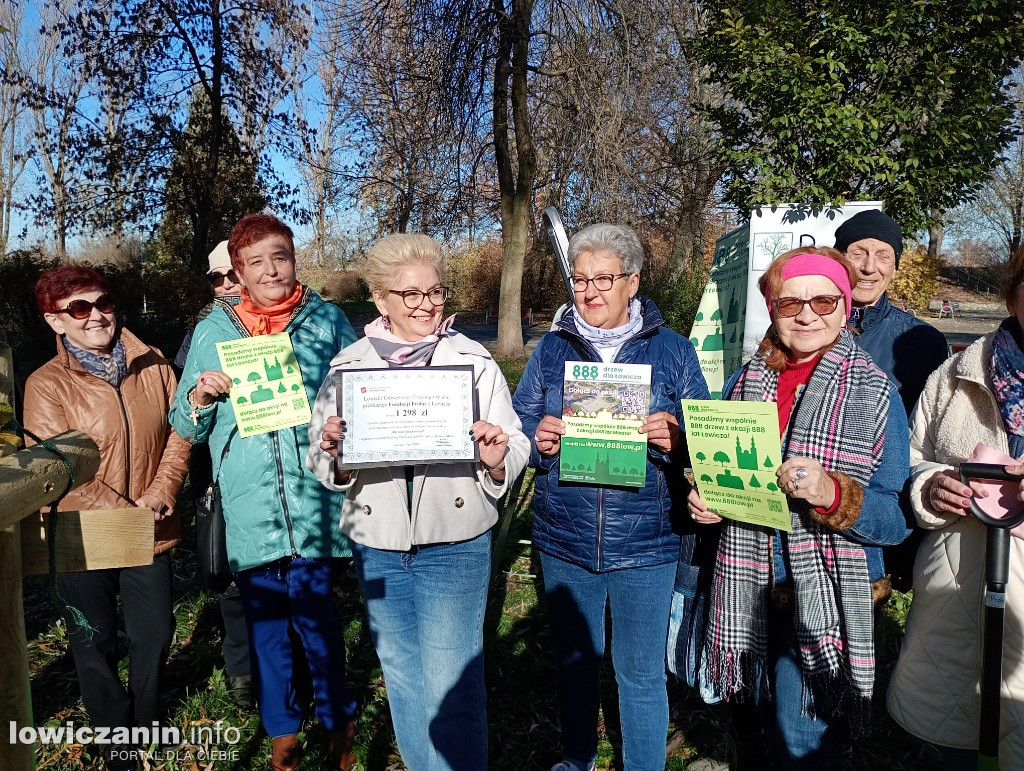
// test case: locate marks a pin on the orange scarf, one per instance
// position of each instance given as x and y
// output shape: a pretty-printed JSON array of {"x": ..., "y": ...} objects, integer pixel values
[{"x": 270, "y": 320}]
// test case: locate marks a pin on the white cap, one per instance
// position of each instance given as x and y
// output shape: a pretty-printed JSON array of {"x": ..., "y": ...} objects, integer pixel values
[{"x": 219, "y": 257}]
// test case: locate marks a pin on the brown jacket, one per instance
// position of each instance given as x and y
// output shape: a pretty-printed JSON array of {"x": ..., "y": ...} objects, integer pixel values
[{"x": 139, "y": 452}]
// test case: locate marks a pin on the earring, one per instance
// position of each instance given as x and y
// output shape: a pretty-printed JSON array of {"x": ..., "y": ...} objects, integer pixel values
[{"x": 387, "y": 323}]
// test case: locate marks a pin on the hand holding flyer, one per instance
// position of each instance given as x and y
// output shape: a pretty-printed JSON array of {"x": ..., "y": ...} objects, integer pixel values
[
  {"x": 735, "y": 449},
  {"x": 603, "y": 407},
  {"x": 267, "y": 392}
]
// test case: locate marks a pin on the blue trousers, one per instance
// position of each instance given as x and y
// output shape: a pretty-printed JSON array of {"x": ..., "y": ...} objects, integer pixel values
[
  {"x": 801, "y": 742},
  {"x": 640, "y": 600},
  {"x": 296, "y": 594},
  {"x": 426, "y": 613}
]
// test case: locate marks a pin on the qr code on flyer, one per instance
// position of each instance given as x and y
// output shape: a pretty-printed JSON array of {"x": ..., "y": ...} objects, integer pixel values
[
  {"x": 298, "y": 403},
  {"x": 633, "y": 401}
]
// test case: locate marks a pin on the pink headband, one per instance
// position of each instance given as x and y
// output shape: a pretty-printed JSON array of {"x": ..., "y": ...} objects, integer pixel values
[{"x": 818, "y": 265}]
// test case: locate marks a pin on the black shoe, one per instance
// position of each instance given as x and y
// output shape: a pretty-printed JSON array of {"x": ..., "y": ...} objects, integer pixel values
[{"x": 240, "y": 688}]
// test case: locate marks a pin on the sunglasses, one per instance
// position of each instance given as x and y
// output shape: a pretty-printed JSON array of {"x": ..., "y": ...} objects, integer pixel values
[
  {"x": 823, "y": 305},
  {"x": 217, "y": 279},
  {"x": 82, "y": 309}
]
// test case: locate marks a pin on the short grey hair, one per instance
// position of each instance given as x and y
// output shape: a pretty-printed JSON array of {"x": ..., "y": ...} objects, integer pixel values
[{"x": 620, "y": 240}]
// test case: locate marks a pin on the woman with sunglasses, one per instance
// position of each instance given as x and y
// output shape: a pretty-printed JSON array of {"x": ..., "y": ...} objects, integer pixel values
[
  {"x": 603, "y": 545},
  {"x": 108, "y": 384},
  {"x": 421, "y": 535},
  {"x": 789, "y": 623}
]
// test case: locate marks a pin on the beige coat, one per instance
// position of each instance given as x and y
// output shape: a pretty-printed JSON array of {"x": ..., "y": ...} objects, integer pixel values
[
  {"x": 934, "y": 693},
  {"x": 452, "y": 502}
]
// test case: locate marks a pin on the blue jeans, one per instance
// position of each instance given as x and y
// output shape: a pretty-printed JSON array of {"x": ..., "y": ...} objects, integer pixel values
[
  {"x": 426, "y": 613},
  {"x": 640, "y": 601},
  {"x": 296, "y": 594},
  {"x": 801, "y": 742}
]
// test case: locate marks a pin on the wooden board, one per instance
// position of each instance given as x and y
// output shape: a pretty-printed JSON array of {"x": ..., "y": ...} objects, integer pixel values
[
  {"x": 32, "y": 478},
  {"x": 89, "y": 540}
]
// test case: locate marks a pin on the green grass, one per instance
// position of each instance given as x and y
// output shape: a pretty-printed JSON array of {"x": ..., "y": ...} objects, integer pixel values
[{"x": 522, "y": 712}]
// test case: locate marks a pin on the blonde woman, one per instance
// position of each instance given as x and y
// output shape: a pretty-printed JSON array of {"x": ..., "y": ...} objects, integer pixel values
[{"x": 423, "y": 555}]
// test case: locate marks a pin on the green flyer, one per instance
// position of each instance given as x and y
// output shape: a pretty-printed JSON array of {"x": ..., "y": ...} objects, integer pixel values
[
  {"x": 267, "y": 393},
  {"x": 603, "y": 405},
  {"x": 735, "y": 449}
]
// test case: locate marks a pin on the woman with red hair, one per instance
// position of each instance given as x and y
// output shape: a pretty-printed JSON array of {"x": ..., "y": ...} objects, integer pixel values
[
  {"x": 789, "y": 623},
  {"x": 108, "y": 384},
  {"x": 282, "y": 525}
]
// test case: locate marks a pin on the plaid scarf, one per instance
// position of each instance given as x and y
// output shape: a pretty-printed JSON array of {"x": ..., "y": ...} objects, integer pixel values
[
  {"x": 112, "y": 368},
  {"x": 840, "y": 422},
  {"x": 1008, "y": 382}
]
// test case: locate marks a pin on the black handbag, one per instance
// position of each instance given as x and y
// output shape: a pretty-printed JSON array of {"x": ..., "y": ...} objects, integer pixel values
[
  {"x": 212, "y": 542},
  {"x": 211, "y": 536}
]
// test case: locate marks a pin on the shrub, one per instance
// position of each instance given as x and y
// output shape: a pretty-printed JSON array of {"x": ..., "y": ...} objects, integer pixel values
[
  {"x": 345, "y": 286},
  {"x": 474, "y": 275},
  {"x": 916, "y": 280}
]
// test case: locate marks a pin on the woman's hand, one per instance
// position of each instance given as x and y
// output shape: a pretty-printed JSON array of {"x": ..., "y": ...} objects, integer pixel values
[
  {"x": 333, "y": 433},
  {"x": 805, "y": 479},
  {"x": 662, "y": 431},
  {"x": 699, "y": 510},
  {"x": 948, "y": 494},
  {"x": 1019, "y": 471},
  {"x": 548, "y": 435},
  {"x": 211, "y": 384},
  {"x": 160, "y": 509},
  {"x": 492, "y": 442}
]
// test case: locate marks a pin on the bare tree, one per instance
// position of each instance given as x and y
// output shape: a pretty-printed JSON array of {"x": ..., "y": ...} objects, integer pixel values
[
  {"x": 1001, "y": 201},
  {"x": 13, "y": 140},
  {"x": 321, "y": 161},
  {"x": 55, "y": 84}
]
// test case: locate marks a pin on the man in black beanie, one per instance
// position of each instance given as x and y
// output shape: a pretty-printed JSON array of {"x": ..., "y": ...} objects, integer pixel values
[{"x": 906, "y": 348}]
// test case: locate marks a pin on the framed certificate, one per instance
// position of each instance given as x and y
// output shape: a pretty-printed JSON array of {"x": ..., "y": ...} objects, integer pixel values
[{"x": 406, "y": 416}]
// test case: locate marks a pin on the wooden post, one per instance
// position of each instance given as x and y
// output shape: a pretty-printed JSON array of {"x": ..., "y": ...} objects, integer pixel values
[
  {"x": 14, "y": 690},
  {"x": 28, "y": 480}
]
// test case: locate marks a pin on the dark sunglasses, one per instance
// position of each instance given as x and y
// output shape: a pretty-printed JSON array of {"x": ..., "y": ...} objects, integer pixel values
[
  {"x": 82, "y": 309},
  {"x": 217, "y": 279},
  {"x": 823, "y": 305}
]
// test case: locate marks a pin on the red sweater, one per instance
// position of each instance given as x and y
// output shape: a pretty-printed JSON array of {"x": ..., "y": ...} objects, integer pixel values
[{"x": 791, "y": 384}]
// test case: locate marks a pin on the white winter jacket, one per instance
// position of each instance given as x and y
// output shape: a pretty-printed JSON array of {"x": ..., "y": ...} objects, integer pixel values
[
  {"x": 934, "y": 693},
  {"x": 451, "y": 502}
]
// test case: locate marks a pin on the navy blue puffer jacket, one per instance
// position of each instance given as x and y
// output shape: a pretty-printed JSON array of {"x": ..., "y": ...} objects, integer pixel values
[{"x": 609, "y": 528}]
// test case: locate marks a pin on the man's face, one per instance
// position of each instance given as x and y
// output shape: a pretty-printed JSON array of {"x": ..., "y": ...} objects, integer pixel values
[{"x": 875, "y": 262}]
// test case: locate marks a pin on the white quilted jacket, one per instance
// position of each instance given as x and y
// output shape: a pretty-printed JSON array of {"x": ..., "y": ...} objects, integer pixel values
[{"x": 934, "y": 692}]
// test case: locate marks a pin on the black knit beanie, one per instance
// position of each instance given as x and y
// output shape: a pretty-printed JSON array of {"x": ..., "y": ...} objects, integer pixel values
[{"x": 873, "y": 223}]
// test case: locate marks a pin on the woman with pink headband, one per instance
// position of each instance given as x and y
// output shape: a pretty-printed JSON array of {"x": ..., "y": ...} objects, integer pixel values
[{"x": 789, "y": 615}]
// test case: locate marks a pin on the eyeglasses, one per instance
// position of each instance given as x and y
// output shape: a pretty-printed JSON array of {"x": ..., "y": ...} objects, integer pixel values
[
  {"x": 217, "y": 279},
  {"x": 413, "y": 298},
  {"x": 82, "y": 309},
  {"x": 601, "y": 283},
  {"x": 823, "y": 305}
]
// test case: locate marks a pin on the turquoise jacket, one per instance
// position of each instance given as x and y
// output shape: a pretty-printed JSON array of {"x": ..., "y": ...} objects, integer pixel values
[{"x": 273, "y": 506}]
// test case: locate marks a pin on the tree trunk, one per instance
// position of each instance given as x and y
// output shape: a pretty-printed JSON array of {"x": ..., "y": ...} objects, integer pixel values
[
  {"x": 510, "y": 87},
  {"x": 205, "y": 203},
  {"x": 935, "y": 233}
]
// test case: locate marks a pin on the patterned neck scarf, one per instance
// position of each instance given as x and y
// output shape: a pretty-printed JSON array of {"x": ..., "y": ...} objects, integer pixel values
[
  {"x": 1008, "y": 381},
  {"x": 112, "y": 368},
  {"x": 609, "y": 338},
  {"x": 840, "y": 422},
  {"x": 402, "y": 353}
]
